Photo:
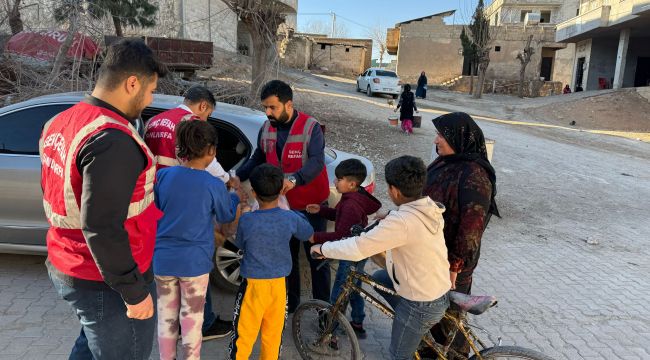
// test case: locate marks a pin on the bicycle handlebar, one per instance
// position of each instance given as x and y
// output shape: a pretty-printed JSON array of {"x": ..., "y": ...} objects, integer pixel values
[{"x": 355, "y": 230}]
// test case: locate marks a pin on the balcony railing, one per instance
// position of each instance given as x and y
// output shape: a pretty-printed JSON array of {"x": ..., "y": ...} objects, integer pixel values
[
  {"x": 590, "y": 20},
  {"x": 601, "y": 13}
]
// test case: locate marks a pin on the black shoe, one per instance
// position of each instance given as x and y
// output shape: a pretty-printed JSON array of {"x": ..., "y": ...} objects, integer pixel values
[
  {"x": 218, "y": 329},
  {"x": 359, "y": 330}
]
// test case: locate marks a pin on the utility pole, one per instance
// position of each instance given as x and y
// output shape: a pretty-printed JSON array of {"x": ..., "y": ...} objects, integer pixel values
[
  {"x": 333, "y": 23},
  {"x": 209, "y": 21}
]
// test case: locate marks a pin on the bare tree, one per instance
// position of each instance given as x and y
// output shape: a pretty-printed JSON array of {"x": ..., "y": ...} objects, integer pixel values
[
  {"x": 325, "y": 28},
  {"x": 12, "y": 9},
  {"x": 262, "y": 19},
  {"x": 314, "y": 27},
  {"x": 73, "y": 9},
  {"x": 470, "y": 55},
  {"x": 378, "y": 36},
  {"x": 480, "y": 35},
  {"x": 524, "y": 58}
]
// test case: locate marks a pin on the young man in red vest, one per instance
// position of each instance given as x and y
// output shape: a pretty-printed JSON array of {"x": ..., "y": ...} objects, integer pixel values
[
  {"x": 294, "y": 142},
  {"x": 97, "y": 177},
  {"x": 160, "y": 136}
]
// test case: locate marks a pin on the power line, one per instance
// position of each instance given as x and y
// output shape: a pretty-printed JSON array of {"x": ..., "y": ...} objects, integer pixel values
[{"x": 338, "y": 16}]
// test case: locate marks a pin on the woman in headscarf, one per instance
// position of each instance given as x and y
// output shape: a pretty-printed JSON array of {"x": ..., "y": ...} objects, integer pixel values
[
  {"x": 407, "y": 105},
  {"x": 462, "y": 179},
  {"x": 421, "y": 90}
]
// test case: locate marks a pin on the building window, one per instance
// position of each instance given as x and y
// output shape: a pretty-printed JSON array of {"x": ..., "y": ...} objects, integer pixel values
[
  {"x": 497, "y": 48},
  {"x": 523, "y": 14},
  {"x": 347, "y": 49},
  {"x": 545, "y": 17},
  {"x": 322, "y": 46}
]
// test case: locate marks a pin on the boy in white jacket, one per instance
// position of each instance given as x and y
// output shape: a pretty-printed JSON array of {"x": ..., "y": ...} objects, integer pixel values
[{"x": 416, "y": 255}]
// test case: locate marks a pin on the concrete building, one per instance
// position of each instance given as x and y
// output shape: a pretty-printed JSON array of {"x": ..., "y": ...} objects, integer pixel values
[
  {"x": 210, "y": 20},
  {"x": 348, "y": 57},
  {"x": 205, "y": 20},
  {"x": 428, "y": 44},
  {"x": 612, "y": 43},
  {"x": 501, "y": 12}
]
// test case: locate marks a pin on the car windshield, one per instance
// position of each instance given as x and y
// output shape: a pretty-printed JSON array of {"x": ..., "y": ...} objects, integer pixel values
[{"x": 386, "y": 73}]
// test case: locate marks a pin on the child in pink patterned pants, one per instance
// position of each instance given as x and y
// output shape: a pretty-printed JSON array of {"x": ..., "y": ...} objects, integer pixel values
[
  {"x": 191, "y": 199},
  {"x": 184, "y": 296}
]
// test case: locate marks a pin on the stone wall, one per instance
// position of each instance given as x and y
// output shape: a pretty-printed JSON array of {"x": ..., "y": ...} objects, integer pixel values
[
  {"x": 348, "y": 57},
  {"x": 532, "y": 88},
  {"x": 602, "y": 62},
  {"x": 435, "y": 48},
  {"x": 564, "y": 64},
  {"x": 298, "y": 53},
  {"x": 432, "y": 47},
  {"x": 340, "y": 59}
]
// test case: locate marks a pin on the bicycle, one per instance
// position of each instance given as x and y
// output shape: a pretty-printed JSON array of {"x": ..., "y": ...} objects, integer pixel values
[{"x": 323, "y": 335}]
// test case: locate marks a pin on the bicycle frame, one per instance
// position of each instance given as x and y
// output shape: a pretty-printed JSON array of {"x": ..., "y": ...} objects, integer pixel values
[{"x": 351, "y": 286}]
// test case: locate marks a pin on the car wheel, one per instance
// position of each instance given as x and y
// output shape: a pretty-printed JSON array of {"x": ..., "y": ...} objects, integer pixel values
[
  {"x": 369, "y": 91},
  {"x": 358, "y": 88},
  {"x": 227, "y": 262},
  {"x": 395, "y": 96}
]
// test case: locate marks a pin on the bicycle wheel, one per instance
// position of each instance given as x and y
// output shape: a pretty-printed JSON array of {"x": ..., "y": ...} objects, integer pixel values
[
  {"x": 510, "y": 352},
  {"x": 310, "y": 320}
]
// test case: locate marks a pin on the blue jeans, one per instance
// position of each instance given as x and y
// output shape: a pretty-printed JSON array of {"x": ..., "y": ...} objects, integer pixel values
[
  {"x": 356, "y": 301},
  {"x": 320, "y": 278},
  {"x": 412, "y": 319},
  {"x": 106, "y": 331}
]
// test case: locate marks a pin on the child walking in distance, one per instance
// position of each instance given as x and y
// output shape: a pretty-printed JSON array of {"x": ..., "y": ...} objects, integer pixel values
[
  {"x": 190, "y": 198},
  {"x": 353, "y": 209},
  {"x": 407, "y": 106},
  {"x": 416, "y": 256},
  {"x": 263, "y": 237}
]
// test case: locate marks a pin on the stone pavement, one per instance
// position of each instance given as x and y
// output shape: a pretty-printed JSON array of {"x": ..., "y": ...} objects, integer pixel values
[
  {"x": 568, "y": 260},
  {"x": 593, "y": 314}
]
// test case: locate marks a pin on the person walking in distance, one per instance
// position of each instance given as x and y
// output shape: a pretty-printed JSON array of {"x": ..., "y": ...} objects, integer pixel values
[
  {"x": 406, "y": 106},
  {"x": 97, "y": 177},
  {"x": 294, "y": 141},
  {"x": 421, "y": 90},
  {"x": 160, "y": 136}
]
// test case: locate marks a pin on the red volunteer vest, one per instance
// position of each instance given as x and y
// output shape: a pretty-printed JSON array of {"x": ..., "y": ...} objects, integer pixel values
[
  {"x": 160, "y": 135},
  {"x": 294, "y": 157},
  {"x": 61, "y": 181}
]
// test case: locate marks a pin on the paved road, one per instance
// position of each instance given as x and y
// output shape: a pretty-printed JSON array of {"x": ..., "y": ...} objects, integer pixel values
[{"x": 568, "y": 261}]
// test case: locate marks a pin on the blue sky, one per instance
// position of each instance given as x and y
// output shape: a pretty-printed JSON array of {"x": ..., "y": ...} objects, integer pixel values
[{"x": 357, "y": 16}]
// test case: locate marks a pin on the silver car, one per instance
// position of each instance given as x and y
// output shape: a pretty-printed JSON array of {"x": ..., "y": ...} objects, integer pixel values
[{"x": 22, "y": 221}]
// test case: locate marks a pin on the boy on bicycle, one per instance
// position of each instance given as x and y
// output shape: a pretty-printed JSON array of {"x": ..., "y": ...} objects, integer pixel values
[
  {"x": 416, "y": 256},
  {"x": 353, "y": 209}
]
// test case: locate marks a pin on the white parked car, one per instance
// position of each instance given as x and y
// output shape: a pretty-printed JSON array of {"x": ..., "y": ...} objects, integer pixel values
[{"x": 379, "y": 81}]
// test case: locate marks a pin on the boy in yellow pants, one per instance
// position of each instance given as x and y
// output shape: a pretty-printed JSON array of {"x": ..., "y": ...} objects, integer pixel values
[{"x": 263, "y": 237}]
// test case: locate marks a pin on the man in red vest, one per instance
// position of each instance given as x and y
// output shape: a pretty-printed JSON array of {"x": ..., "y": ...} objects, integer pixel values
[
  {"x": 160, "y": 136},
  {"x": 97, "y": 176},
  {"x": 160, "y": 133},
  {"x": 294, "y": 142}
]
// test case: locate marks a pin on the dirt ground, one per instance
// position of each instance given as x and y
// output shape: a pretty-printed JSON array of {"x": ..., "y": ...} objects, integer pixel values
[{"x": 623, "y": 110}]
